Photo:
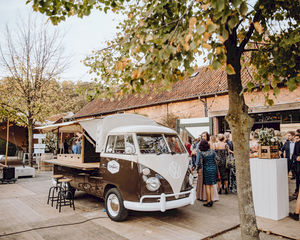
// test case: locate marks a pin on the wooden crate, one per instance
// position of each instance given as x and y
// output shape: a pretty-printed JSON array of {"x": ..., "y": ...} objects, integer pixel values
[
  {"x": 268, "y": 152},
  {"x": 46, "y": 166}
]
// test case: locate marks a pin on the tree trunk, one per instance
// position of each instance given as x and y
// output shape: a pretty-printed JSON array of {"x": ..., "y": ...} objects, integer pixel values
[
  {"x": 240, "y": 124},
  {"x": 30, "y": 142}
]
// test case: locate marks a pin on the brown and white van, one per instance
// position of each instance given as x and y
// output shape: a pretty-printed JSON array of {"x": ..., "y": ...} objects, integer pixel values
[{"x": 131, "y": 162}]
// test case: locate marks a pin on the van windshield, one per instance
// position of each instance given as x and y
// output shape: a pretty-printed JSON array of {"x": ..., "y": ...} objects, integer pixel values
[
  {"x": 156, "y": 143},
  {"x": 152, "y": 143}
]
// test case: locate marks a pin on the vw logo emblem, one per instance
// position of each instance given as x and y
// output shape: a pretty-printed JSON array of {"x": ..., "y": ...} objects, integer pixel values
[{"x": 174, "y": 170}]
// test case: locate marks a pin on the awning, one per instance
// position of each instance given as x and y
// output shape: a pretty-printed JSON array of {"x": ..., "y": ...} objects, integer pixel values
[
  {"x": 66, "y": 127},
  {"x": 88, "y": 125}
]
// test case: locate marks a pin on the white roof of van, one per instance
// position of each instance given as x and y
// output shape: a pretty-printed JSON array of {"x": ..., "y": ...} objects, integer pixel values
[{"x": 142, "y": 129}]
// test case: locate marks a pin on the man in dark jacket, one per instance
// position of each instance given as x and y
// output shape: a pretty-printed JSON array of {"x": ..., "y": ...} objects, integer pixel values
[
  {"x": 296, "y": 158},
  {"x": 288, "y": 148}
]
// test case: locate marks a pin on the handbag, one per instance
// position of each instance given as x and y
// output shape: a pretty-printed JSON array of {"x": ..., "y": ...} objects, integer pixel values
[{"x": 230, "y": 162}]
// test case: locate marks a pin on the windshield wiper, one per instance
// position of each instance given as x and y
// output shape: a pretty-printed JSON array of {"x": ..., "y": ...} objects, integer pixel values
[{"x": 158, "y": 153}]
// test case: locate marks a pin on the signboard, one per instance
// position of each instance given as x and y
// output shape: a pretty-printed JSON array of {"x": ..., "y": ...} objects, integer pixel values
[
  {"x": 39, "y": 145},
  {"x": 38, "y": 136},
  {"x": 39, "y": 150}
]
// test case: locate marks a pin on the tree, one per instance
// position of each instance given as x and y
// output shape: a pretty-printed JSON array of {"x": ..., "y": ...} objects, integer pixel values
[
  {"x": 32, "y": 57},
  {"x": 160, "y": 41}
]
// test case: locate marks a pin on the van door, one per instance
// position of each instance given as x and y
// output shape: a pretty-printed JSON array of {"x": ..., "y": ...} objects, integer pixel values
[{"x": 118, "y": 165}]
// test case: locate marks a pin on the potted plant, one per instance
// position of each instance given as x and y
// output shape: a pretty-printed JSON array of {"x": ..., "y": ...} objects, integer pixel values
[{"x": 268, "y": 143}]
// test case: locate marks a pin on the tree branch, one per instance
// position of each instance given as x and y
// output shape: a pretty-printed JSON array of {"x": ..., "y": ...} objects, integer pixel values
[
  {"x": 250, "y": 31},
  {"x": 251, "y": 50}
]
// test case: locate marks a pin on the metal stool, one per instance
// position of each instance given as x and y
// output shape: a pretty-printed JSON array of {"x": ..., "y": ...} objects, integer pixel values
[
  {"x": 53, "y": 191},
  {"x": 65, "y": 195}
]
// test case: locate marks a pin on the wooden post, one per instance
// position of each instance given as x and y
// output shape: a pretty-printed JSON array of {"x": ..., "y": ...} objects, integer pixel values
[
  {"x": 57, "y": 143},
  {"x": 82, "y": 149},
  {"x": 61, "y": 143},
  {"x": 7, "y": 139}
]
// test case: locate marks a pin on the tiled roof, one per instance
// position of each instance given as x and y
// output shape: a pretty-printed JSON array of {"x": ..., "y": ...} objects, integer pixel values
[
  {"x": 205, "y": 83},
  {"x": 55, "y": 118}
]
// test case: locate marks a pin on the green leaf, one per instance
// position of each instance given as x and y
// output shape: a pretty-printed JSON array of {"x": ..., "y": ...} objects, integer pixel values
[
  {"x": 243, "y": 8},
  {"x": 233, "y": 21},
  {"x": 270, "y": 102},
  {"x": 250, "y": 85},
  {"x": 230, "y": 70},
  {"x": 212, "y": 27},
  {"x": 220, "y": 5},
  {"x": 266, "y": 88},
  {"x": 276, "y": 91},
  {"x": 236, "y": 3},
  {"x": 225, "y": 34},
  {"x": 200, "y": 29},
  {"x": 216, "y": 65}
]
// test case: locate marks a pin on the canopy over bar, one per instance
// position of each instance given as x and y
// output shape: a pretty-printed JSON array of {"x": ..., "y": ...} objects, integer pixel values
[{"x": 66, "y": 127}]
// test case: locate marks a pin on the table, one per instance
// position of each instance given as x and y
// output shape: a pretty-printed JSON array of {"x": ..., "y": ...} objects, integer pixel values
[{"x": 270, "y": 187}]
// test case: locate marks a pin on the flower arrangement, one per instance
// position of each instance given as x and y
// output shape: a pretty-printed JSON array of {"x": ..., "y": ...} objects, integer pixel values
[{"x": 266, "y": 137}]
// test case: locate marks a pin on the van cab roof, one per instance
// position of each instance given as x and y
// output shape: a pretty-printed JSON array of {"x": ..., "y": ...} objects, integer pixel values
[{"x": 142, "y": 129}]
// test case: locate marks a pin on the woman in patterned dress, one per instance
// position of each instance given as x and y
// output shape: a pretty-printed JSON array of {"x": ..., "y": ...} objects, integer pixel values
[
  {"x": 206, "y": 160},
  {"x": 222, "y": 150}
]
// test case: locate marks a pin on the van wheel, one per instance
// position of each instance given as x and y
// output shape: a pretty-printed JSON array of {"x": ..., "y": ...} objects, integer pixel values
[{"x": 114, "y": 205}]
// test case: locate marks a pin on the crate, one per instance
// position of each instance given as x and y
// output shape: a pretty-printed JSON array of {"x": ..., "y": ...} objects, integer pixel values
[{"x": 268, "y": 152}]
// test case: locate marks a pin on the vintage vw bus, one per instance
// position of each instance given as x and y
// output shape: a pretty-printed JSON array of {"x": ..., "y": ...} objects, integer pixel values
[{"x": 131, "y": 162}]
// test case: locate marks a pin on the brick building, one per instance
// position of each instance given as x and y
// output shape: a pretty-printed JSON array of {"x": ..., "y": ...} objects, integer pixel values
[{"x": 200, "y": 102}]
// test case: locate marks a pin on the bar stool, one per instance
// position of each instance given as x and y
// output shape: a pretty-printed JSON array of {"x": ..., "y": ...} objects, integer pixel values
[
  {"x": 65, "y": 195},
  {"x": 52, "y": 195}
]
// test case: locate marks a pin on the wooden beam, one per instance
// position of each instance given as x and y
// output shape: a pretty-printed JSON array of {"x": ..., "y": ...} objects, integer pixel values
[{"x": 82, "y": 149}]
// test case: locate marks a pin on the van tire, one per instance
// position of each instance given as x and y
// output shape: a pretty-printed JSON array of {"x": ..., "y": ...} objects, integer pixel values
[{"x": 116, "y": 212}]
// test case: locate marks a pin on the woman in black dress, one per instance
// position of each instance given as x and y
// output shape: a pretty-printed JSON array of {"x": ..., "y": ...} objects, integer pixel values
[{"x": 222, "y": 150}]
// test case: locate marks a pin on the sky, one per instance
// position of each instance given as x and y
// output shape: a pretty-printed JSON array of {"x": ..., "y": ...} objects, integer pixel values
[{"x": 81, "y": 35}]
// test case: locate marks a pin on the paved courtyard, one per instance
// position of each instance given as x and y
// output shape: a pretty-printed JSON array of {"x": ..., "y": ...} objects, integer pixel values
[{"x": 23, "y": 207}]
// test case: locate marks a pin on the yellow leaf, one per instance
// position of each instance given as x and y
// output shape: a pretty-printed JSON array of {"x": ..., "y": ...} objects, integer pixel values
[
  {"x": 119, "y": 66},
  {"x": 206, "y": 36},
  {"x": 188, "y": 37},
  {"x": 141, "y": 23},
  {"x": 178, "y": 49},
  {"x": 192, "y": 23},
  {"x": 142, "y": 40},
  {"x": 222, "y": 40},
  {"x": 207, "y": 46},
  {"x": 230, "y": 70},
  {"x": 258, "y": 27},
  {"x": 205, "y": 7},
  {"x": 149, "y": 38},
  {"x": 136, "y": 74},
  {"x": 186, "y": 46},
  {"x": 218, "y": 50},
  {"x": 130, "y": 15}
]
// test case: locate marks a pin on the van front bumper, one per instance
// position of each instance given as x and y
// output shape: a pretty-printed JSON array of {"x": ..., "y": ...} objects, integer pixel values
[{"x": 162, "y": 205}]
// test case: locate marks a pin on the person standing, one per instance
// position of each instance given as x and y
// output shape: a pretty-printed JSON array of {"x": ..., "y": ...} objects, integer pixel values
[
  {"x": 295, "y": 215},
  {"x": 288, "y": 150},
  {"x": 194, "y": 152},
  {"x": 222, "y": 151},
  {"x": 206, "y": 160},
  {"x": 296, "y": 159},
  {"x": 228, "y": 141}
]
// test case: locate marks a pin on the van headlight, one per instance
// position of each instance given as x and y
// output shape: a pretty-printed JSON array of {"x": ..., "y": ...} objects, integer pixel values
[
  {"x": 152, "y": 184},
  {"x": 191, "y": 179}
]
